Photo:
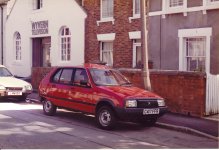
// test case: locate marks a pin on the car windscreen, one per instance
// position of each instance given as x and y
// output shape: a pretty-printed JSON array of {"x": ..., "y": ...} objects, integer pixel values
[
  {"x": 5, "y": 72},
  {"x": 108, "y": 77}
]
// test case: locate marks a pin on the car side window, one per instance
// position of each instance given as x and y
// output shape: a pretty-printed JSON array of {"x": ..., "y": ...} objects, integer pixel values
[
  {"x": 57, "y": 76},
  {"x": 66, "y": 76},
  {"x": 80, "y": 76},
  {"x": 63, "y": 76}
]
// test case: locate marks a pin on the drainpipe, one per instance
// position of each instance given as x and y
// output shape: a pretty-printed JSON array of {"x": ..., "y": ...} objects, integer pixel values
[{"x": 2, "y": 48}]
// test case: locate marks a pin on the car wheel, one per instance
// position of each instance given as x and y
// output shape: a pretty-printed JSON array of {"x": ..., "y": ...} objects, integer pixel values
[
  {"x": 148, "y": 122},
  {"x": 105, "y": 118},
  {"x": 49, "y": 108}
]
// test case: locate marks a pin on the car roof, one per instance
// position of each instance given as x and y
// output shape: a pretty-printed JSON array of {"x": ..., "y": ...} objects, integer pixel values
[{"x": 88, "y": 66}]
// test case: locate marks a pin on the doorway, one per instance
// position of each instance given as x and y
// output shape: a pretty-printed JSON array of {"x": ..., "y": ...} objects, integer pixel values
[{"x": 41, "y": 52}]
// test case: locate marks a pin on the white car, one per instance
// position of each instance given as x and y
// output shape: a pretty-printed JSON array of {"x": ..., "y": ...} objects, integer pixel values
[{"x": 13, "y": 87}]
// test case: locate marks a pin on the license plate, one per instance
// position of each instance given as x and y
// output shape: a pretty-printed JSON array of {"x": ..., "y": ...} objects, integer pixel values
[
  {"x": 15, "y": 93},
  {"x": 150, "y": 111}
]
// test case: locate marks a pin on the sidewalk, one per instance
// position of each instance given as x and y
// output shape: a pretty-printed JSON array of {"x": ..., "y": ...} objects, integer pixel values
[
  {"x": 199, "y": 126},
  {"x": 207, "y": 126}
]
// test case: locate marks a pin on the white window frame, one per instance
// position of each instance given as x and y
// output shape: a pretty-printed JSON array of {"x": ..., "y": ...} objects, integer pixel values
[
  {"x": 135, "y": 45},
  {"x": 207, "y": 5},
  {"x": 197, "y": 32},
  {"x": 105, "y": 19},
  {"x": 167, "y": 9},
  {"x": 17, "y": 46},
  {"x": 134, "y": 15},
  {"x": 64, "y": 52},
  {"x": 137, "y": 15},
  {"x": 106, "y": 51}
]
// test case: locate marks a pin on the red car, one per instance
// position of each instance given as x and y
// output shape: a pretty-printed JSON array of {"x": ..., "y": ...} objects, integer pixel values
[{"x": 101, "y": 91}]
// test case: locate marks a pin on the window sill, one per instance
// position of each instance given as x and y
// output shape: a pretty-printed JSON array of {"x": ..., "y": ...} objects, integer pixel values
[
  {"x": 134, "y": 17},
  {"x": 106, "y": 20},
  {"x": 184, "y": 11}
]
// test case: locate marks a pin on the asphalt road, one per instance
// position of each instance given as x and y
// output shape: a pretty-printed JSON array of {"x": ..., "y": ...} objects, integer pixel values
[{"x": 24, "y": 126}]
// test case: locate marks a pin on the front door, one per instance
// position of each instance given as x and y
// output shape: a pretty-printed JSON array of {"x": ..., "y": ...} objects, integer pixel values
[{"x": 41, "y": 52}]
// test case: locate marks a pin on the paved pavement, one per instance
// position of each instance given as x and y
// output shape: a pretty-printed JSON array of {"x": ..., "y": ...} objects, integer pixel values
[{"x": 207, "y": 126}]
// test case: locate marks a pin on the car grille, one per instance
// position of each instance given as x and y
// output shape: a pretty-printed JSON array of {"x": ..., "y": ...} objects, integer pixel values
[
  {"x": 147, "y": 103},
  {"x": 14, "y": 89}
]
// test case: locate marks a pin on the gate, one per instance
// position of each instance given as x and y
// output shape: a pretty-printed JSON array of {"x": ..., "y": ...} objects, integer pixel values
[{"x": 212, "y": 94}]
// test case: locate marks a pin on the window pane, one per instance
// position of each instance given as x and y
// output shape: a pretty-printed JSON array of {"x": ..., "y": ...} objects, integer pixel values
[
  {"x": 107, "y": 8},
  {"x": 138, "y": 57},
  {"x": 137, "y": 7},
  {"x": 80, "y": 75},
  {"x": 57, "y": 75},
  {"x": 17, "y": 46},
  {"x": 66, "y": 76},
  {"x": 65, "y": 44},
  {"x": 195, "y": 54},
  {"x": 107, "y": 52},
  {"x": 175, "y": 3},
  {"x": 196, "y": 64}
]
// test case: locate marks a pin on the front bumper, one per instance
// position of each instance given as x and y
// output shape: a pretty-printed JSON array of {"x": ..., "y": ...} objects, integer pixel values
[
  {"x": 4, "y": 93},
  {"x": 133, "y": 114}
]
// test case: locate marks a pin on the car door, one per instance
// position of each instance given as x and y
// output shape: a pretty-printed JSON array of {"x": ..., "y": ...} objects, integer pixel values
[
  {"x": 82, "y": 92},
  {"x": 60, "y": 87}
]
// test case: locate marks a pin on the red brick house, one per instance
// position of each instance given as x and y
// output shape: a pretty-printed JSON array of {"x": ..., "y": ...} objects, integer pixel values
[
  {"x": 113, "y": 32},
  {"x": 113, "y": 35}
]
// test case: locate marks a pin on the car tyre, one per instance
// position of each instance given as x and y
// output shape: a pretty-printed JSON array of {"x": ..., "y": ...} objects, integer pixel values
[
  {"x": 49, "y": 108},
  {"x": 105, "y": 118}
]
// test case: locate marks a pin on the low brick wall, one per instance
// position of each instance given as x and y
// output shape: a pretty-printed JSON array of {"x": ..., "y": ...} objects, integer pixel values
[
  {"x": 37, "y": 75},
  {"x": 184, "y": 91}
]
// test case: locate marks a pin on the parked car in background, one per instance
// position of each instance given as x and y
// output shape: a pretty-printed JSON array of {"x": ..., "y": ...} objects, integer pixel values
[
  {"x": 101, "y": 91},
  {"x": 13, "y": 87}
]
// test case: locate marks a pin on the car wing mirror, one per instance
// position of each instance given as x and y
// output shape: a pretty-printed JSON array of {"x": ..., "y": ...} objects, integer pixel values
[{"x": 85, "y": 83}]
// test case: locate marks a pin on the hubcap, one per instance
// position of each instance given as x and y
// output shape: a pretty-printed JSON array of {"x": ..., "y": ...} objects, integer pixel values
[
  {"x": 105, "y": 118},
  {"x": 47, "y": 106}
]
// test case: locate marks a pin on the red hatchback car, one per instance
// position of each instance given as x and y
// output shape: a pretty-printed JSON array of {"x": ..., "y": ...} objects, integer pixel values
[{"x": 101, "y": 91}]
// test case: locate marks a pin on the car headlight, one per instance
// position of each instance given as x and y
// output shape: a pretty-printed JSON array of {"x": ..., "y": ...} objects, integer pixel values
[
  {"x": 131, "y": 103},
  {"x": 28, "y": 87},
  {"x": 161, "y": 102},
  {"x": 2, "y": 87}
]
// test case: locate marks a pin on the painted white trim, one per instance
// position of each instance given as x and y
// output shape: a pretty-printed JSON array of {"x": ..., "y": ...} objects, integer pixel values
[
  {"x": 135, "y": 35},
  {"x": 134, "y": 17},
  {"x": 196, "y": 32},
  {"x": 106, "y": 37},
  {"x": 110, "y": 19},
  {"x": 207, "y": 5}
]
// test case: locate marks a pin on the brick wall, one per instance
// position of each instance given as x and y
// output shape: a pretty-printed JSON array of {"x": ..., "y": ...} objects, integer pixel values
[
  {"x": 121, "y": 27},
  {"x": 37, "y": 75},
  {"x": 184, "y": 91}
]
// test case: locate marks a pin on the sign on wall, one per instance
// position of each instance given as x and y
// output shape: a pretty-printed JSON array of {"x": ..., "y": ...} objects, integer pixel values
[{"x": 40, "y": 27}]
